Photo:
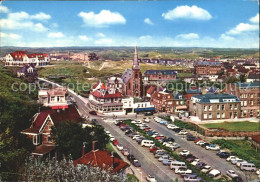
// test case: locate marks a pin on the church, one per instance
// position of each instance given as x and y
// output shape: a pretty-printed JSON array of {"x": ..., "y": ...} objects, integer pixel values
[{"x": 132, "y": 79}]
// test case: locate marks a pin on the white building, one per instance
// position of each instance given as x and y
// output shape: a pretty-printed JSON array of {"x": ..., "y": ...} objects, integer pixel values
[
  {"x": 129, "y": 106},
  {"x": 21, "y": 58}
]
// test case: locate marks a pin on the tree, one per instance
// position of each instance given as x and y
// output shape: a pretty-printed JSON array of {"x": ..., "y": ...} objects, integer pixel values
[
  {"x": 69, "y": 138},
  {"x": 64, "y": 170},
  {"x": 242, "y": 78}
]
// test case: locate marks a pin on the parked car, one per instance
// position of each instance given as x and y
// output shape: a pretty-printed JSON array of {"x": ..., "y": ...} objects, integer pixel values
[
  {"x": 170, "y": 126},
  {"x": 170, "y": 139},
  {"x": 223, "y": 154},
  {"x": 191, "y": 138},
  {"x": 237, "y": 179},
  {"x": 183, "y": 170},
  {"x": 176, "y": 129},
  {"x": 231, "y": 158},
  {"x": 159, "y": 154},
  {"x": 115, "y": 142},
  {"x": 147, "y": 120},
  {"x": 120, "y": 147},
  {"x": 177, "y": 164},
  {"x": 167, "y": 161},
  {"x": 234, "y": 161},
  {"x": 238, "y": 164},
  {"x": 163, "y": 157},
  {"x": 206, "y": 169},
  {"x": 231, "y": 173},
  {"x": 136, "y": 163},
  {"x": 248, "y": 167},
  {"x": 183, "y": 132},
  {"x": 195, "y": 162},
  {"x": 150, "y": 178},
  {"x": 184, "y": 152},
  {"x": 212, "y": 147},
  {"x": 192, "y": 178},
  {"x": 214, "y": 173},
  {"x": 200, "y": 142},
  {"x": 200, "y": 165},
  {"x": 197, "y": 139},
  {"x": 153, "y": 149},
  {"x": 131, "y": 157},
  {"x": 205, "y": 144}
]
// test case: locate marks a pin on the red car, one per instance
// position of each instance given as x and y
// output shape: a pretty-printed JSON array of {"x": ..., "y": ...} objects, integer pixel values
[
  {"x": 147, "y": 129},
  {"x": 115, "y": 142},
  {"x": 123, "y": 124},
  {"x": 153, "y": 149},
  {"x": 198, "y": 139}
]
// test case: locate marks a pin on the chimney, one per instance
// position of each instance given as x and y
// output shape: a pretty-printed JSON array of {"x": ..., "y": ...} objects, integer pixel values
[
  {"x": 113, "y": 160},
  {"x": 93, "y": 145}
]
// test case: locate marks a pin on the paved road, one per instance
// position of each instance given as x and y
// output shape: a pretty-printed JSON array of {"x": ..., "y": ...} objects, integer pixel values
[{"x": 209, "y": 157}]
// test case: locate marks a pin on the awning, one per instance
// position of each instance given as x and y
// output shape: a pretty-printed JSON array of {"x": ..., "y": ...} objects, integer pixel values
[
  {"x": 181, "y": 107},
  {"x": 149, "y": 109},
  {"x": 60, "y": 107}
]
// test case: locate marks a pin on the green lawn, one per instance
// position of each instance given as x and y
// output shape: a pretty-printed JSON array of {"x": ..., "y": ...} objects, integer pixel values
[{"x": 235, "y": 126}]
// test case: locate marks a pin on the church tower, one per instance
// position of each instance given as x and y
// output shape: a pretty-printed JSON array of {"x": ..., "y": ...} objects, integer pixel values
[{"x": 137, "y": 84}]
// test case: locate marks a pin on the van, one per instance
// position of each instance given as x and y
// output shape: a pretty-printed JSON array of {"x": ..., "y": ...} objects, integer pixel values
[
  {"x": 177, "y": 164},
  {"x": 147, "y": 143},
  {"x": 247, "y": 166}
]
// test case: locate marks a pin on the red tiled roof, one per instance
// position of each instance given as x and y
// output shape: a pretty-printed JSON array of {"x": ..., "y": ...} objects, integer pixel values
[
  {"x": 70, "y": 114},
  {"x": 95, "y": 86},
  {"x": 102, "y": 158},
  {"x": 107, "y": 95},
  {"x": 103, "y": 86},
  {"x": 256, "y": 138}
]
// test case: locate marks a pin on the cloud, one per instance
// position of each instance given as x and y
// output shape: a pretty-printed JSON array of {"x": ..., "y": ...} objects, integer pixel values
[
  {"x": 243, "y": 27},
  {"x": 41, "y": 16},
  {"x": 100, "y": 35},
  {"x": 226, "y": 37},
  {"x": 104, "y": 42},
  {"x": 84, "y": 38},
  {"x": 10, "y": 35},
  {"x": 102, "y": 19},
  {"x": 145, "y": 37},
  {"x": 3, "y": 9},
  {"x": 255, "y": 19},
  {"x": 55, "y": 35},
  {"x": 188, "y": 36},
  {"x": 187, "y": 12},
  {"x": 148, "y": 21},
  {"x": 22, "y": 20}
]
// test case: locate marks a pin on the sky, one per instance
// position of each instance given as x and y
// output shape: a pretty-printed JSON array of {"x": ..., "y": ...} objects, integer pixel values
[{"x": 176, "y": 23}]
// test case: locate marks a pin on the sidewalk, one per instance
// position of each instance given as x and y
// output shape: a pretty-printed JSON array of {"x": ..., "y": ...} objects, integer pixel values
[{"x": 141, "y": 175}]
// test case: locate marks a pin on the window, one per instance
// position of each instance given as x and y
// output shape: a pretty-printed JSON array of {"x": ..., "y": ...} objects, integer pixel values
[
  {"x": 235, "y": 106},
  {"x": 210, "y": 116},
  {"x": 205, "y": 108},
  {"x": 252, "y": 102},
  {"x": 223, "y": 115},
  {"x": 218, "y": 107},
  {"x": 231, "y": 107},
  {"x": 245, "y": 103},
  {"x": 230, "y": 115},
  {"x": 223, "y": 107},
  {"x": 252, "y": 96},
  {"x": 52, "y": 98},
  {"x": 205, "y": 116},
  {"x": 210, "y": 108},
  {"x": 218, "y": 115}
]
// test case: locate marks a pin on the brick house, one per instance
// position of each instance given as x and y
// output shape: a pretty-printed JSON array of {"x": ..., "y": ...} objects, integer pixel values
[
  {"x": 208, "y": 68},
  {"x": 40, "y": 129},
  {"x": 256, "y": 141},
  {"x": 179, "y": 103},
  {"x": 215, "y": 106},
  {"x": 162, "y": 101},
  {"x": 249, "y": 95},
  {"x": 159, "y": 75}
]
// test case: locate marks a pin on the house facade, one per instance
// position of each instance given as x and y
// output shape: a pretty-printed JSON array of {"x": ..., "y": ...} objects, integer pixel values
[
  {"x": 249, "y": 95},
  {"x": 21, "y": 58},
  {"x": 55, "y": 98},
  {"x": 104, "y": 100},
  {"x": 27, "y": 70},
  {"x": 215, "y": 106},
  {"x": 208, "y": 68},
  {"x": 159, "y": 75},
  {"x": 40, "y": 130},
  {"x": 163, "y": 102}
]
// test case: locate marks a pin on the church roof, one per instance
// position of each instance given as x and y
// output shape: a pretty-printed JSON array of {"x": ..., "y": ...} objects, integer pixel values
[{"x": 127, "y": 75}]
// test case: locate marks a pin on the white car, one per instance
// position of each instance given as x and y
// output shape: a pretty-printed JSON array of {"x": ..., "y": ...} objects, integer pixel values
[
  {"x": 234, "y": 161},
  {"x": 151, "y": 178},
  {"x": 120, "y": 147},
  {"x": 182, "y": 170},
  {"x": 231, "y": 158},
  {"x": 214, "y": 173},
  {"x": 212, "y": 147},
  {"x": 147, "y": 120},
  {"x": 183, "y": 132},
  {"x": 195, "y": 162},
  {"x": 167, "y": 144},
  {"x": 184, "y": 153},
  {"x": 206, "y": 169},
  {"x": 112, "y": 138},
  {"x": 163, "y": 157},
  {"x": 135, "y": 137},
  {"x": 258, "y": 171},
  {"x": 200, "y": 142},
  {"x": 170, "y": 126},
  {"x": 231, "y": 173}
]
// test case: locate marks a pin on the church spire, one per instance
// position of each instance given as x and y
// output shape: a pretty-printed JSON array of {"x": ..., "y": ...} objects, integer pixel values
[{"x": 135, "y": 63}]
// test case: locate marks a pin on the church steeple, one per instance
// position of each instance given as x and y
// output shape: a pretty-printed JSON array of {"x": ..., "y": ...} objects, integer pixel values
[{"x": 135, "y": 63}]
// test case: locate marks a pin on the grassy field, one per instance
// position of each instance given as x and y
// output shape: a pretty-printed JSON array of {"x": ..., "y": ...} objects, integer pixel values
[{"x": 235, "y": 126}]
